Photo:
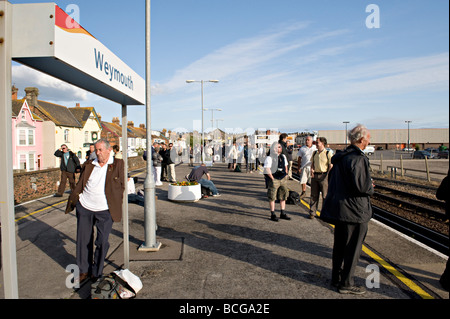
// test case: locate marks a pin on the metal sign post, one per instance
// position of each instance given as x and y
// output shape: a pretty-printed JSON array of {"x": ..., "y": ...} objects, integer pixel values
[
  {"x": 150, "y": 243},
  {"x": 8, "y": 227},
  {"x": 70, "y": 53}
]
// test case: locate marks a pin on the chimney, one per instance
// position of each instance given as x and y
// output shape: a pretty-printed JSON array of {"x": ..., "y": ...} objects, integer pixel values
[
  {"x": 14, "y": 93},
  {"x": 130, "y": 124},
  {"x": 142, "y": 126},
  {"x": 77, "y": 105},
  {"x": 99, "y": 117},
  {"x": 116, "y": 120},
  {"x": 31, "y": 96}
]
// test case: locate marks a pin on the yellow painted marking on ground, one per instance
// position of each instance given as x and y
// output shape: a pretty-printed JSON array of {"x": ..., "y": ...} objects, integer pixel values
[
  {"x": 408, "y": 282},
  {"x": 40, "y": 210}
]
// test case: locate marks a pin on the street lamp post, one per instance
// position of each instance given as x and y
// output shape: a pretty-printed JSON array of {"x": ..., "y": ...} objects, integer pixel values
[
  {"x": 346, "y": 137},
  {"x": 217, "y": 122},
  {"x": 408, "y": 132},
  {"x": 212, "y": 116},
  {"x": 203, "y": 133}
]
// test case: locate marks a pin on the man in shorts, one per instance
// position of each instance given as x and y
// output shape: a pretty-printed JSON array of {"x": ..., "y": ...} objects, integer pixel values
[
  {"x": 304, "y": 163},
  {"x": 276, "y": 169}
]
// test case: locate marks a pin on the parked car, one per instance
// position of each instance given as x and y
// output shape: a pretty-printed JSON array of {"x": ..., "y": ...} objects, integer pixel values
[
  {"x": 422, "y": 154},
  {"x": 431, "y": 150},
  {"x": 369, "y": 150},
  {"x": 443, "y": 154},
  {"x": 408, "y": 149}
]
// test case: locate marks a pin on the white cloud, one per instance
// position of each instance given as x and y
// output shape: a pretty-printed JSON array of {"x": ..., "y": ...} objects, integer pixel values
[{"x": 50, "y": 88}]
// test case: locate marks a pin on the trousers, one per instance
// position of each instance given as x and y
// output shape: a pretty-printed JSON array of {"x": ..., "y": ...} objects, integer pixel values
[
  {"x": 62, "y": 184},
  {"x": 319, "y": 184},
  {"x": 89, "y": 261},
  {"x": 348, "y": 240},
  {"x": 209, "y": 184}
]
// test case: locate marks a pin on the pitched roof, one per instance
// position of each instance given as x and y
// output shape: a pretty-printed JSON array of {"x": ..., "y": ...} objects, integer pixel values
[
  {"x": 139, "y": 132},
  {"x": 17, "y": 106},
  {"x": 58, "y": 114},
  {"x": 82, "y": 114},
  {"x": 116, "y": 129}
]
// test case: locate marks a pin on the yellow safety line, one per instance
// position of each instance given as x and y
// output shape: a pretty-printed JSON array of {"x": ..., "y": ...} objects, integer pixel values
[
  {"x": 399, "y": 275},
  {"x": 408, "y": 282},
  {"x": 40, "y": 210}
]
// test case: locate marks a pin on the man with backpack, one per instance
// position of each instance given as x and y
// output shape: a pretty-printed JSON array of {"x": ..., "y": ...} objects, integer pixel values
[
  {"x": 320, "y": 166},
  {"x": 276, "y": 170}
]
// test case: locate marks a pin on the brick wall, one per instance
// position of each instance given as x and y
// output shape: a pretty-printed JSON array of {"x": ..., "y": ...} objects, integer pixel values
[{"x": 37, "y": 184}]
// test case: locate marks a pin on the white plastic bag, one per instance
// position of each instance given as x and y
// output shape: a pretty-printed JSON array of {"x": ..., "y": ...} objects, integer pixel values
[{"x": 130, "y": 278}]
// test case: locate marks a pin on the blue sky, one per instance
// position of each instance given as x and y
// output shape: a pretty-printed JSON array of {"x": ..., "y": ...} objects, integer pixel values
[{"x": 286, "y": 64}]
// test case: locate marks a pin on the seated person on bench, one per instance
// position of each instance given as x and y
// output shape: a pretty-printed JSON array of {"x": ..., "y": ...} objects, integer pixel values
[{"x": 197, "y": 176}]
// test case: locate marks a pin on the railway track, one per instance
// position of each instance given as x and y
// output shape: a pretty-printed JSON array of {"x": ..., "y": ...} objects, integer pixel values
[
  {"x": 427, "y": 236},
  {"x": 414, "y": 203},
  {"x": 431, "y": 213}
]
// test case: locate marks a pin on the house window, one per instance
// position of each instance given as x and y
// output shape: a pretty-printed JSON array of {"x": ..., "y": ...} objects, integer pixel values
[
  {"x": 30, "y": 137},
  {"x": 66, "y": 136},
  {"x": 22, "y": 137}
]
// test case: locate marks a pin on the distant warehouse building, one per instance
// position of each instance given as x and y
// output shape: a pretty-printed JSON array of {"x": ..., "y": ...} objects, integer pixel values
[{"x": 394, "y": 138}]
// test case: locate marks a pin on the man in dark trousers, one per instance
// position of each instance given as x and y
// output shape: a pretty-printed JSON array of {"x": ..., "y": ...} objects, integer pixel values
[
  {"x": 98, "y": 198},
  {"x": 443, "y": 193},
  {"x": 348, "y": 207},
  {"x": 70, "y": 164}
]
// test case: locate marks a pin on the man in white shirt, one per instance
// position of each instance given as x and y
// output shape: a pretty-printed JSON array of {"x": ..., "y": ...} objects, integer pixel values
[
  {"x": 276, "y": 169},
  {"x": 304, "y": 163},
  {"x": 98, "y": 198}
]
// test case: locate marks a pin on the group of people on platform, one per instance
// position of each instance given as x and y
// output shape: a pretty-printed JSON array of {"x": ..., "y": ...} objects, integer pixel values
[
  {"x": 343, "y": 179},
  {"x": 346, "y": 185},
  {"x": 163, "y": 160}
]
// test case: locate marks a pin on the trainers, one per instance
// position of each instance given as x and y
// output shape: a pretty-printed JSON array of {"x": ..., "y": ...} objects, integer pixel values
[
  {"x": 217, "y": 195},
  {"x": 354, "y": 290},
  {"x": 311, "y": 215}
]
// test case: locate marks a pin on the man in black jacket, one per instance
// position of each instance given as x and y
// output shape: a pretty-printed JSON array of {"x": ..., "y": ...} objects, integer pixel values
[
  {"x": 70, "y": 164},
  {"x": 348, "y": 207}
]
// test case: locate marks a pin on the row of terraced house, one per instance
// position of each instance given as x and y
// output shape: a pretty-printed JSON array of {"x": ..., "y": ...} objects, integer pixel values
[{"x": 40, "y": 127}]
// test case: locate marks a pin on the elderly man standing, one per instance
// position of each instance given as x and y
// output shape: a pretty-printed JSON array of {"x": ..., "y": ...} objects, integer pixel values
[
  {"x": 348, "y": 207},
  {"x": 98, "y": 198}
]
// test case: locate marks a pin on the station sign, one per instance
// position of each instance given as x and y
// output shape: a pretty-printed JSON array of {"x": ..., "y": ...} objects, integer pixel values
[{"x": 53, "y": 43}]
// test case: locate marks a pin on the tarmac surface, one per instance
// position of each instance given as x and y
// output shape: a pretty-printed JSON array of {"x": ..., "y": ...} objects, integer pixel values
[{"x": 220, "y": 248}]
